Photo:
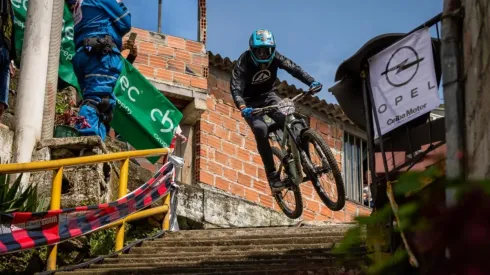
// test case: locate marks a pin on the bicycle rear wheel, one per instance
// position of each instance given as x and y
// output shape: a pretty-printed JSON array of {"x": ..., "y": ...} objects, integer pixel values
[
  {"x": 318, "y": 151},
  {"x": 289, "y": 199}
]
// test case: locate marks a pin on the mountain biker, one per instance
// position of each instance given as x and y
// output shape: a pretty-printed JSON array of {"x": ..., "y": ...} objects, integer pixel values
[
  {"x": 252, "y": 86},
  {"x": 99, "y": 28}
]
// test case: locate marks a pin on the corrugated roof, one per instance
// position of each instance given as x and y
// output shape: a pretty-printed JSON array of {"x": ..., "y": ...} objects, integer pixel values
[{"x": 287, "y": 90}]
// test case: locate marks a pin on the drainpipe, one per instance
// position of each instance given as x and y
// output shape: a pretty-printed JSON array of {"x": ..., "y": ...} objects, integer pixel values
[
  {"x": 32, "y": 81},
  {"x": 453, "y": 92},
  {"x": 53, "y": 66},
  {"x": 159, "y": 16}
]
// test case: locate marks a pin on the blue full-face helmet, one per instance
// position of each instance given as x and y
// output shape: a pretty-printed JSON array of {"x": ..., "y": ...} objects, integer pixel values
[{"x": 262, "y": 47}]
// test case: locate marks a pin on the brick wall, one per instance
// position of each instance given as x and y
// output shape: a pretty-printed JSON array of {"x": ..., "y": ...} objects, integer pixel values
[
  {"x": 171, "y": 59},
  {"x": 227, "y": 158}
]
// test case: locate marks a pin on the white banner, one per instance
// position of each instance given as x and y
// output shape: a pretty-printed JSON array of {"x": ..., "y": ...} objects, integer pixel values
[{"x": 403, "y": 81}]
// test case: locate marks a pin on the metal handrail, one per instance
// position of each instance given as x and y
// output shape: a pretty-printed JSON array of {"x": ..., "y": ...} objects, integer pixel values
[{"x": 58, "y": 167}]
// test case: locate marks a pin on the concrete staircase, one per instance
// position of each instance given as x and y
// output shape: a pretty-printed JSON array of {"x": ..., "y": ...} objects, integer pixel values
[{"x": 279, "y": 250}]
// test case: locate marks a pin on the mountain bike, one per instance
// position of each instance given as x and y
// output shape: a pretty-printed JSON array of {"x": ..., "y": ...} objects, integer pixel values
[{"x": 294, "y": 160}]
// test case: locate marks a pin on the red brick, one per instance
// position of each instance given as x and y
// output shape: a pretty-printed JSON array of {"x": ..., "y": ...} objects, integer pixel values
[
  {"x": 145, "y": 70},
  {"x": 262, "y": 173},
  {"x": 261, "y": 186},
  {"x": 212, "y": 82},
  {"x": 339, "y": 133},
  {"x": 165, "y": 52},
  {"x": 229, "y": 149},
  {"x": 175, "y": 42},
  {"x": 312, "y": 205},
  {"x": 243, "y": 154},
  {"x": 158, "y": 62},
  {"x": 215, "y": 168},
  {"x": 236, "y": 139},
  {"x": 236, "y": 114},
  {"x": 221, "y": 132},
  {"x": 331, "y": 142},
  {"x": 238, "y": 190},
  {"x": 202, "y": 163},
  {"x": 142, "y": 59},
  {"x": 222, "y": 184},
  {"x": 349, "y": 218},
  {"x": 165, "y": 74},
  {"x": 244, "y": 180},
  {"x": 142, "y": 34},
  {"x": 250, "y": 169},
  {"x": 203, "y": 151},
  {"x": 325, "y": 211},
  {"x": 176, "y": 66},
  {"x": 214, "y": 142},
  {"x": 265, "y": 200},
  {"x": 223, "y": 109},
  {"x": 210, "y": 103},
  {"x": 230, "y": 174},
  {"x": 221, "y": 158},
  {"x": 216, "y": 119},
  {"x": 250, "y": 144},
  {"x": 308, "y": 215},
  {"x": 350, "y": 208},
  {"x": 313, "y": 122},
  {"x": 339, "y": 216},
  {"x": 244, "y": 129},
  {"x": 206, "y": 177},
  {"x": 322, "y": 127},
  {"x": 199, "y": 59},
  {"x": 195, "y": 47},
  {"x": 182, "y": 79},
  {"x": 236, "y": 164},
  {"x": 224, "y": 85},
  {"x": 199, "y": 82},
  {"x": 338, "y": 158},
  {"x": 230, "y": 124},
  {"x": 257, "y": 159},
  {"x": 194, "y": 70},
  {"x": 251, "y": 195},
  {"x": 307, "y": 190},
  {"x": 207, "y": 127},
  {"x": 147, "y": 48},
  {"x": 338, "y": 145},
  {"x": 183, "y": 56}
]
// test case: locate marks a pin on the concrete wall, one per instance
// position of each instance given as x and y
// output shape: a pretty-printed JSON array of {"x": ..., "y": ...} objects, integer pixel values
[{"x": 476, "y": 35}]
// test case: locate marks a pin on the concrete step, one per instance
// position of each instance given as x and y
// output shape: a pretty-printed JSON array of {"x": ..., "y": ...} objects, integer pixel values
[
  {"x": 263, "y": 240},
  {"x": 235, "y": 232},
  {"x": 172, "y": 237},
  {"x": 237, "y": 257},
  {"x": 236, "y": 248},
  {"x": 307, "y": 269}
]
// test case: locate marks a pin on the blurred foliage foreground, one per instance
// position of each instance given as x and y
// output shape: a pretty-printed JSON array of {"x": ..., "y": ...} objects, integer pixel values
[{"x": 431, "y": 236}]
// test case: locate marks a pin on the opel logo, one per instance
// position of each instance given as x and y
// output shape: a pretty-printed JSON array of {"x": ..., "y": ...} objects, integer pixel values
[{"x": 402, "y": 67}]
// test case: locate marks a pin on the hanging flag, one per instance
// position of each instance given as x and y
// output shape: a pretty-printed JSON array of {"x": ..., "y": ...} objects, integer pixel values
[
  {"x": 67, "y": 50},
  {"x": 144, "y": 117},
  {"x": 403, "y": 81}
]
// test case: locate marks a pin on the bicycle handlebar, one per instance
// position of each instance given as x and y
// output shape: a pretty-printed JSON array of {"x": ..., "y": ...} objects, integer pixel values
[{"x": 264, "y": 110}]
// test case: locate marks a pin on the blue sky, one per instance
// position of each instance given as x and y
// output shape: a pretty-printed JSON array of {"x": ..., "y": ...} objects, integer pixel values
[{"x": 316, "y": 34}]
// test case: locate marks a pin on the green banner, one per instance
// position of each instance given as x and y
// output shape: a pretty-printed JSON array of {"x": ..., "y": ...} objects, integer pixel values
[
  {"x": 67, "y": 50},
  {"x": 144, "y": 117}
]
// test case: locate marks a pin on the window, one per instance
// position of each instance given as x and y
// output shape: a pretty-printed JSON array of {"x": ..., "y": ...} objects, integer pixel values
[{"x": 355, "y": 166}]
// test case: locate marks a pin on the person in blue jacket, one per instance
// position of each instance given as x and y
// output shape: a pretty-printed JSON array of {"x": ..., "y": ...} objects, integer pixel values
[{"x": 99, "y": 28}]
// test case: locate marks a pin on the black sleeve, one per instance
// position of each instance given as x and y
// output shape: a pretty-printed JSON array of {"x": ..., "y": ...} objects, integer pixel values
[
  {"x": 237, "y": 83},
  {"x": 289, "y": 66},
  {"x": 131, "y": 58}
]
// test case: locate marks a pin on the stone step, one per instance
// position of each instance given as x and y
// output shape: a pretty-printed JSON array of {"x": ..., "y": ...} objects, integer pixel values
[
  {"x": 264, "y": 240},
  {"x": 306, "y": 269},
  {"x": 235, "y": 232},
  {"x": 171, "y": 237},
  {"x": 236, "y": 248},
  {"x": 236, "y": 257}
]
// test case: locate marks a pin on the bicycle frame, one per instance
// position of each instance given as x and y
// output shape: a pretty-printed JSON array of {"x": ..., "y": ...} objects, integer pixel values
[{"x": 288, "y": 138}]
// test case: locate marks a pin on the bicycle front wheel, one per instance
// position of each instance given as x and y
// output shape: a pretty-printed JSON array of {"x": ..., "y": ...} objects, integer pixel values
[
  {"x": 326, "y": 176},
  {"x": 289, "y": 199}
]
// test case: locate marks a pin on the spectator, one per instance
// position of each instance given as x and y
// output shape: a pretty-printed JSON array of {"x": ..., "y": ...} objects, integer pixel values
[{"x": 7, "y": 53}]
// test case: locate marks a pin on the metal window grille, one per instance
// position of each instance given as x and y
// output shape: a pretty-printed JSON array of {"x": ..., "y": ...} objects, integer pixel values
[{"x": 355, "y": 169}]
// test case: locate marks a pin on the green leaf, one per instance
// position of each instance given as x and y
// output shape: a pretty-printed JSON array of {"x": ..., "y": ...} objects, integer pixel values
[{"x": 14, "y": 189}]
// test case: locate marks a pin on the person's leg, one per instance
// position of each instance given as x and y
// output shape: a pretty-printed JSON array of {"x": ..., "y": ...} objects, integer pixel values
[
  {"x": 260, "y": 130},
  {"x": 99, "y": 76},
  {"x": 4, "y": 81}
]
